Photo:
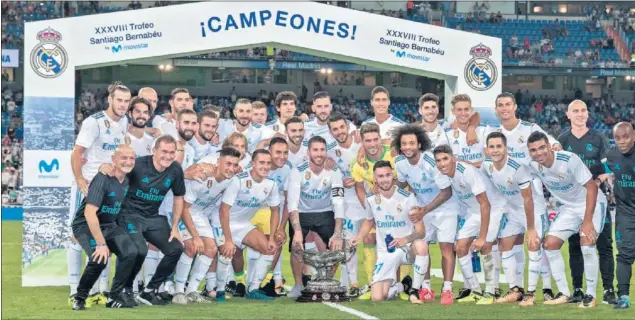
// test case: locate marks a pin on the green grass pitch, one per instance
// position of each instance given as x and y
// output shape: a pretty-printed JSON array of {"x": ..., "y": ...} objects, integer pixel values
[{"x": 51, "y": 302}]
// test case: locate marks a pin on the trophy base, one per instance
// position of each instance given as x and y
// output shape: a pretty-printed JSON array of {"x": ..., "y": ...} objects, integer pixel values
[{"x": 324, "y": 296}]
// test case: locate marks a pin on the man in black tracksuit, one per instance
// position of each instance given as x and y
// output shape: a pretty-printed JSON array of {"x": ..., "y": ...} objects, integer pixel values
[
  {"x": 150, "y": 180},
  {"x": 591, "y": 146},
  {"x": 621, "y": 161},
  {"x": 96, "y": 230}
]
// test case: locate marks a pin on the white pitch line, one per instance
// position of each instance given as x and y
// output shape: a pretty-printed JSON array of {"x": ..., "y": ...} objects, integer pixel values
[{"x": 350, "y": 310}]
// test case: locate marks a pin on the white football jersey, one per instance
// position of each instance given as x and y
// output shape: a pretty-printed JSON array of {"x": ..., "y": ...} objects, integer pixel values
[
  {"x": 100, "y": 135},
  {"x": 517, "y": 139},
  {"x": 310, "y": 192},
  {"x": 296, "y": 158},
  {"x": 254, "y": 132},
  {"x": 166, "y": 127},
  {"x": 565, "y": 179},
  {"x": 512, "y": 178},
  {"x": 273, "y": 127},
  {"x": 312, "y": 128},
  {"x": 425, "y": 180},
  {"x": 438, "y": 136},
  {"x": 205, "y": 196},
  {"x": 391, "y": 215},
  {"x": 468, "y": 182},
  {"x": 344, "y": 159},
  {"x": 281, "y": 177},
  {"x": 202, "y": 149},
  {"x": 142, "y": 147},
  {"x": 386, "y": 127},
  {"x": 458, "y": 141},
  {"x": 246, "y": 196}
]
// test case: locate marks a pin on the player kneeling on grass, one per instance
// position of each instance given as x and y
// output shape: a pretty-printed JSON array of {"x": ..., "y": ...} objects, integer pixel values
[
  {"x": 200, "y": 197},
  {"x": 399, "y": 241},
  {"x": 247, "y": 192},
  {"x": 96, "y": 230},
  {"x": 582, "y": 210}
]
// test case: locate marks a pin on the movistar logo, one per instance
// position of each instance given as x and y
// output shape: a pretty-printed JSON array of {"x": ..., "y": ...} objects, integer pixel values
[
  {"x": 48, "y": 167},
  {"x": 401, "y": 54}
]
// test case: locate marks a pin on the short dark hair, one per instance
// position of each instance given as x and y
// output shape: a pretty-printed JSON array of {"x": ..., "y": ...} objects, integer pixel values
[
  {"x": 379, "y": 89},
  {"x": 369, "y": 127},
  {"x": 408, "y": 129},
  {"x": 382, "y": 164},
  {"x": 320, "y": 95},
  {"x": 316, "y": 139},
  {"x": 293, "y": 119},
  {"x": 285, "y": 96},
  {"x": 141, "y": 100},
  {"x": 259, "y": 151},
  {"x": 444, "y": 148},
  {"x": 428, "y": 97},
  {"x": 207, "y": 113},
  {"x": 537, "y": 136},
  {"x": 276, "y": 140},
  {"x": 176, "y": 91},
  {"x": 495, "y": 135},
  {"x": 166, "y": 138},
  {"x": 184, "y": 112},
  {"x": 335, "y": 117},
  {"x": 229, "y": 152},
  {"x": 505, "y": 95}
]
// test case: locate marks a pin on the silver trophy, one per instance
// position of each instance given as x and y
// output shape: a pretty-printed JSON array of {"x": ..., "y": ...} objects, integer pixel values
[{"x": 323, "y": 287}]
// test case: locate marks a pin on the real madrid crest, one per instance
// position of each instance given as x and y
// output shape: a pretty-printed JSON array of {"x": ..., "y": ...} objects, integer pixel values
[
  {"x": 456, "y": 134},
  {"x": 399, "y": 208},
  {"x": 365, "y": 165},
  {"x": 149, "y": 148},
  {"x": 540, "y": 167},
  {"x": 48, "y": 58},
  {"x": 210, "y": 182},
  {"x": 127, "y": 140},
  {"x": 521, "y": 139},
  {"x": 107, "y": 124},
  {"x": 276, "y": 127},
  {"x": 266, "y": 190},
  {"x": 338, "y": 152},
  {"x": 325, "y": 182},
  {"x": 438, "y": 133},
  {"x": 307, "y": 175},
  {"x": 248, "y": 183},
  {"x": 509, "y": 180},
  {"x": 480, "y": 72},
  {"x": 491, "y": 167},
  {"x": 377, "y": 199}
]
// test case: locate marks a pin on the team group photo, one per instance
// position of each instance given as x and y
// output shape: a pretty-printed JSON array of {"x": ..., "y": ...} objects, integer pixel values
[{"x": 260, "y": 163}]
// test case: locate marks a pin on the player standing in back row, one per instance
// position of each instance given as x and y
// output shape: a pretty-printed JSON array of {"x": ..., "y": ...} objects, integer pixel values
[
  {"x": 99, "y": 136},
  {"x": 591, "y": 146}
]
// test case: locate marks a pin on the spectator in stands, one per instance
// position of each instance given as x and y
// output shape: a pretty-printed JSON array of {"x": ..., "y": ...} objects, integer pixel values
[{"x": 513, "y": 43}]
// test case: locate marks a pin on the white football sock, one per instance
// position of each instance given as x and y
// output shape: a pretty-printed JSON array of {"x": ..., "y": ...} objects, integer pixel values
[
  {"x": 277, "y": 270},
  {"x": 395, "y": 290},
  {"x": 535, "y": 258},
  {"x": 137, "y": 280},
  {"x": 426, "y": 284},
  {"x": 591, "y": 268},
  {"x": 344, "y": 276},
  {"x": 199, "y": 269},
  {"x": 182, "y": 272},
  {"x": 351, "y": 269},
  {"x": 230, "y": 275},
  {"x": 150, "y": 265},
  {"x": 223, "y": 268},
  {"x": 558, "y": 271},
  {"x": 210, "y": 281},
  {"x": 262, "y": 267},
  {"x": 496, "y": 255},
  {"x": 252, "y": 257},
  {"x": 447, "y": 285},
  {"x": 420, "y": 267},
  {"x": 105, "y": 276},
  {"x": 74, "y": 265},
  {"x": 509, "y": 267},
  {"x": 488, "y": 271},
  {"x": 466, "y": 269},
  {"x": 545, "y": 271},
  {"x": 520, "y": 265}
]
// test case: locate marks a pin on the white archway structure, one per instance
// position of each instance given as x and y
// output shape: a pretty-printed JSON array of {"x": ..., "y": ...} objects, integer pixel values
[{"x": 469, "y": 63}]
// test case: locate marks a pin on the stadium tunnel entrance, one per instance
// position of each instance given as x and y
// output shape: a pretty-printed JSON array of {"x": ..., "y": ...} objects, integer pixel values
[{"x": 54, "y": 49}]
